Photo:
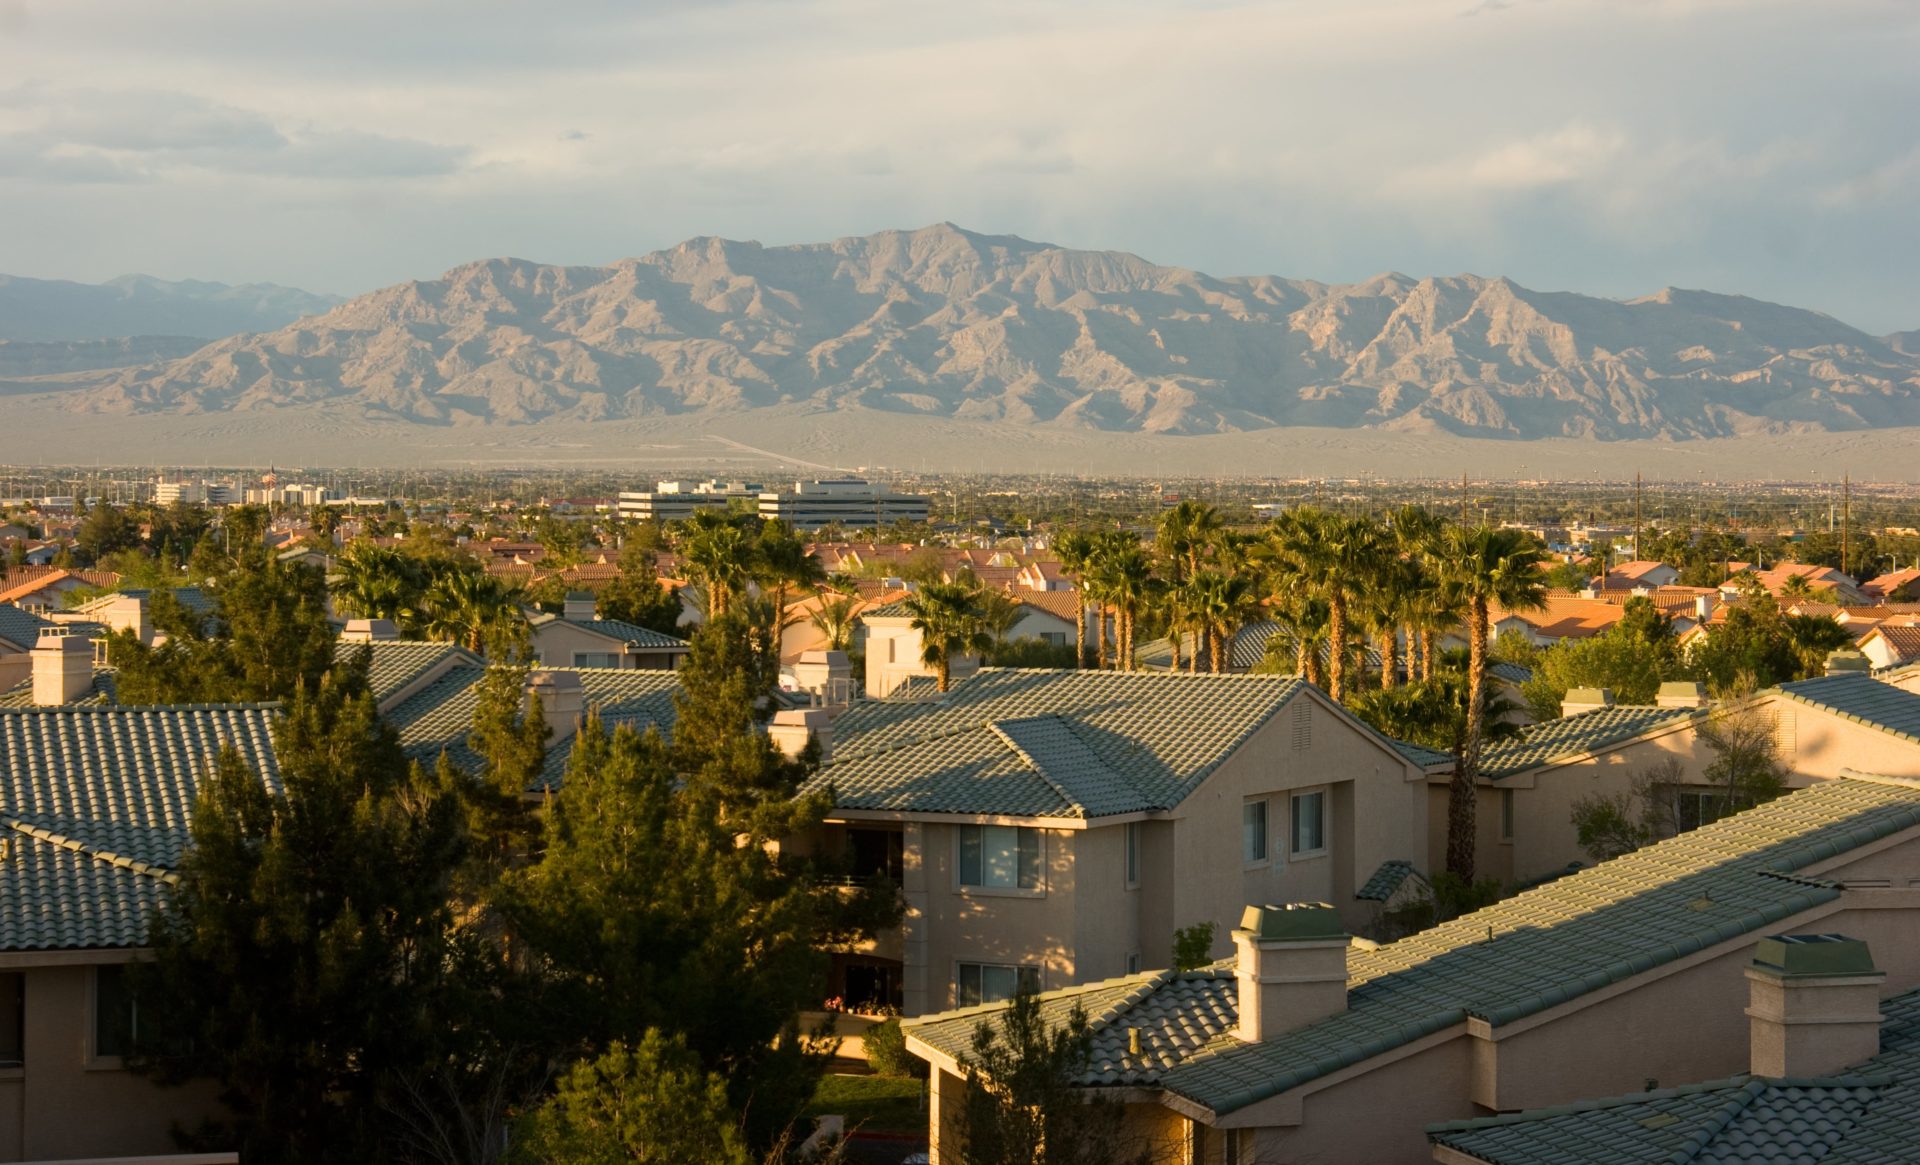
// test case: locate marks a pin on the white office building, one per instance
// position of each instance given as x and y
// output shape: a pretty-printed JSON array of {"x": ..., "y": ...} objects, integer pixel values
[
  {"x": 673, "y": 501},
  {"x": 847, "y": 501}
]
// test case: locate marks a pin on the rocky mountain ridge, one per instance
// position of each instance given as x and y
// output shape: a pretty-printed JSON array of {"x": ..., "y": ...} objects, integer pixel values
[
  {"x": 60, "y": 310},
  {"x": 945, "y": 322}
]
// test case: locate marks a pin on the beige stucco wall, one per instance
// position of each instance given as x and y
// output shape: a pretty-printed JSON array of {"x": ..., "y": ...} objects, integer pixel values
[
  {"x": 60, "y": 1105},
  {"x": 555, "y": 643},
  {"x": 1814, "y": 743}
]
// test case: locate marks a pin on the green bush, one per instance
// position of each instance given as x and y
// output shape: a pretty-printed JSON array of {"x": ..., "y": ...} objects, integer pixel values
[{"x": 887, "y": 1051}]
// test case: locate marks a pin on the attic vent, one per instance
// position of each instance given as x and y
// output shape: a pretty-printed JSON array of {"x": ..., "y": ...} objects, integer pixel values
[
  {"x": 1302, "y": 726},
  {"x": 1783, "y": 732}
]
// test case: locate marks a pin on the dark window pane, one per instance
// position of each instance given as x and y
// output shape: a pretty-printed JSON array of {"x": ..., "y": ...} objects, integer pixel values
[
  {"x": 13, "y": 998},
  {"x": 113, "y": 1014}
]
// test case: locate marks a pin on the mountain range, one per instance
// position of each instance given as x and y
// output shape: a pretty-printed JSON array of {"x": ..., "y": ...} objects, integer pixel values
[
  {"x": 140, "y": 305},
  {"x": 946, "y": 323}
]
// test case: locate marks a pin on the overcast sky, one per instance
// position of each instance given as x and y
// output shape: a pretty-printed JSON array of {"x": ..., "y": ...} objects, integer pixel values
[{"x": 1768, "y": 147}]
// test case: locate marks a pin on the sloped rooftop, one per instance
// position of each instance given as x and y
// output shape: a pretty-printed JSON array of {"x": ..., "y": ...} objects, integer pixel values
[
  {"x": 1869, "y": 1115},
  {"x": 21, "y": 627},
  {"x": 1570, "y": 736},
  {"x": 1736, "y": 877},
  {"x": 1047, "y": 743},
  {"x": 630, "y": 633},
  {"x": 396, "y": 663},
  {"x": 1861, "y": 698},
  {"x": 99, "y": 803}
]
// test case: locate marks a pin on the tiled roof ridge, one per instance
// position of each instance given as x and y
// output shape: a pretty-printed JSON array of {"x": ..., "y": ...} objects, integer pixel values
[
  {"x": 41, "y": 833},
  {"x": 982, "y": 1009},
  {"x": 1033, "y": 762},
  {"x": 1793, "y": 690},
  {"x": 1744, "y": 1082},
  {"x": 134, "y": 709}
]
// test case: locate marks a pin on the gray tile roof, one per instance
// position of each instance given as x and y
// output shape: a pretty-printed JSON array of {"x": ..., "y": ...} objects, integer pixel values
[
  {"x": 101, "y": 692},
  {"x": 1420, "y": 754},
  {"x": 1386, "y": 880},
  {"x": 1047, "y": 743},
  {"x": 439, "y": 717},
  {"x": 1863, "y": 699},
  {"x": 629, "y": 633},
  {"x": 1734, "y": 878},
  {"x": 1511, "y": 673},
  {"x": 98, "y": 802},
  {"x": 21, "y": 627},
  {"x": 1869, "y": 1115},
  {"x": 1570, "y": 736},
  {"x": 395, "y": 663}
]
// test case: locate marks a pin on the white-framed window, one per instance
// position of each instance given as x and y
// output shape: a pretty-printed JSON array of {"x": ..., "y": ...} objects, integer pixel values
[
  {"x": 1000, "y": 857},
  {"x": 1132, "y": 862},
  {"x": 1694, "y": 808},
  {"x": 1309, "y": 822},
  {"x": 1506, "y": 815},
  {"x": 993, "y": 982},
  {"x": 1253, "y": 831},
  {"x": 116, "y": 1017},
  {"x": 595, "y": 659},
  {"x": 1054, "y": 638}
]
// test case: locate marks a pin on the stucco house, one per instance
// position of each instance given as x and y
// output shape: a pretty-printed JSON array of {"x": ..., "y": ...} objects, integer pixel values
[
  {"x": 1306, "y": 1045},
  {"x": 578, "y": 637},
  {"x": 94, "y": 814},
  {"x": 1051, "y": 827}
]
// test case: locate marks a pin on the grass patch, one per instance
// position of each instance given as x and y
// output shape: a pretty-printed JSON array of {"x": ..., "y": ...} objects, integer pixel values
[{"x": 876, "y": 1104}]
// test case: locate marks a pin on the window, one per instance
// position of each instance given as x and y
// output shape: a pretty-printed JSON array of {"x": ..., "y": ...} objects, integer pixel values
[
  {"x": 116, "y": 1019},
  {"x": 1000, "y": 857},
  {"x": 1133, "y": 963},
  {"x": 1253, "y": 831},
  {"x": 1309, "y": 822},
  {"x": 13, "y": 1020},
  {"x": 1239, "y": 1150},
  {"x": 1054, "y": 638},
  {"x": 595, "y": 659},
  {"x": 994, "y": 983},
  {"x": 890, "y": 645},
  {"x": 1506, "y": 815},
  {"x": 1691, "y": 810},
  {"x": 1133, "y": 854}
]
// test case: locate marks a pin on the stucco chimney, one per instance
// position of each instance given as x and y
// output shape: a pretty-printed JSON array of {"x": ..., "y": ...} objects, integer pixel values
[
  {"x": 1290, "y": 963},
  {"x": 580, "y": 605},
  {"x": 62, "y": 667},
  {"x": 1703, "y": 607},
  {"x": 562, "y": 702},
  {"x": 827, "y": 676},
  {"x": 1814, "y": 1005},
  {"x": 369, "y": 631},
  {"x": 1681, "y": 694},
  {"x": 791, "y": 728},
  {"x": 1847, "y": 660},
  {"x": 1585, "y": 700}
]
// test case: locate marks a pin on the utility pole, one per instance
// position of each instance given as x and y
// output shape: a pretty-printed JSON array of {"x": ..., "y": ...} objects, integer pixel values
[
  {"x": 1637, "y": 492},
  {"x": 1846, "y": 521},
  {"x": 1463, "y": 500}
]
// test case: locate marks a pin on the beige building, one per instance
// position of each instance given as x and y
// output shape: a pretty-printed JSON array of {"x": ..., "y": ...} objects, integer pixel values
[
  {"x": 98, "y": 802},
  {"x": 1306, "y": 1045},
  {"x": 1051, "y": 827},
  {"x": 578, "y": 637}
]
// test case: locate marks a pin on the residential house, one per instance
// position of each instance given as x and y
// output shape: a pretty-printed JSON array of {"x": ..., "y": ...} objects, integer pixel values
[
  {"x": 132, "y": 610},
  {"x": 1818, "y": 578},
  {"x": 1307, "y": 1045},
  {"x": 893, "y": 650},
  {"x": 1051, "y": 827},
  {"x": 1890, "y": 645},
  {"x": 578, "y": 637},
  {"x": 95, "y": 813},
  {"x": 40, "y": 588},
  {"x": 20, "y": 629},
  {"x": 1639, "y": 574},
  {"x": 1832, "y": 1076},
  {"x": 1894, "y": 585}
]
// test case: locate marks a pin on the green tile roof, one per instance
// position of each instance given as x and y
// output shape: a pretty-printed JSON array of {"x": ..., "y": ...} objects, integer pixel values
[
  {"x": 21, "y": 627},
  {"x": 1734, "y": 878},
  {"x": 1511, "y": 673},
  {"x": 396, "y": 663},
  {"x": 1386, "y": 880},
  {"x": 1570, "y": 736},
  {"x": 1045, "y": 743},
  {"x": 98, "y": 804},
  {"x": 1869, "y": 1115},
  {"x": 439, "y": 717},
  {"x": 629, "y": 633},
  {"x": 101, "y": 692},
  {"x": 1863, "y": 699}
]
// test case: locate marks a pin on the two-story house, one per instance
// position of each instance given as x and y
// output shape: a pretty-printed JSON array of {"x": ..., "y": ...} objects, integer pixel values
[{"x": 1050, "y": 827}]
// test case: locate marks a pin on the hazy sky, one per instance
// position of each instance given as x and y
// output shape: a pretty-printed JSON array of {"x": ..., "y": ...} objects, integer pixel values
[{"x": 1770, "y": 147}]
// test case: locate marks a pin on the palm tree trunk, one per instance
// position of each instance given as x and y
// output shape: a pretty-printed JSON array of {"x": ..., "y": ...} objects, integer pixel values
[
  {"x": 1462, "y": 798},
  {"x": 1337, "y": 648},
  {"x": 1429, "y": 647},
  {"x": 1303, "y": 658},
  {"x": 1080, "y": 635},
  {"x": 1100, "y": 637},
  {"x": 942, "y": 670},
  {"x": 1389, "y": 658},
  {"x": 1173, "y": 641}
]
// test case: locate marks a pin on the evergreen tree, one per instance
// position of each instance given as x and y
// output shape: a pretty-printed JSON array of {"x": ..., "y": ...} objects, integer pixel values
[
  {"x": 648, "y": 1103},
  {"x": 267, "y": 638},
  {"x": 1021, "y": 1105}
]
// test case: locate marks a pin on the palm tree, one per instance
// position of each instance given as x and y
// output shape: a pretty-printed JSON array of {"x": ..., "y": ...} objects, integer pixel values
[
  {"x": 371, "y": 581},
  {"x": 1221, "y": 604},
  {"x": 472, "y": 608},
  {"x": 1125, "y": 573},
  {"x": 782, "y": 560},
  {"x": 720, "y": 554},
  {"x": 1185, "y": 532},
  {"x": 951, "y": 621},
  {"x": 1334, "y": 556},
  {"x": 1482, "y": 566},
  {"x": 836, "y": 619},
  {"x": 1074, "y": 550}
]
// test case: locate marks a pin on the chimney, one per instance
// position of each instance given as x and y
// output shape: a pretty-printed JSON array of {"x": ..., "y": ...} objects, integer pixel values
[
  {"x": 1814, "y": 1005},
  {"x": 791, "y": 728},
  {"x": 369, "y": 631},
  {"x": 828, "y": 676},
  {"x": 62, "y": 667},
  {"x": 1589, "y": 592},
  {"x": 561, "y": 701},
  {"x": 1703, "y": 607},
  {"x": 1681, "y": 694},
  {"x": 1290, "y": 963},
  {"x": 1846, "y": 661},
  {"x": 1579, "y": 700},
  {"x": 580, "y": 606}
]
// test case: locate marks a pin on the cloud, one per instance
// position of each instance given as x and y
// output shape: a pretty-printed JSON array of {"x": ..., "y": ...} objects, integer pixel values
[{"x": 129, "y": 135}]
